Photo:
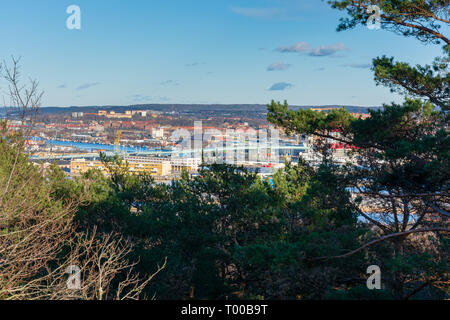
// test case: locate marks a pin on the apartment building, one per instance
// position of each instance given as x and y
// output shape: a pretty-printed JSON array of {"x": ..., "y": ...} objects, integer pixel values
[{"x": 189, "y": 164}]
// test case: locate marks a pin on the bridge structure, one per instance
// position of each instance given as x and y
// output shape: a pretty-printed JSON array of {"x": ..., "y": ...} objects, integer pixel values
[{"x": 259, "y": 148}]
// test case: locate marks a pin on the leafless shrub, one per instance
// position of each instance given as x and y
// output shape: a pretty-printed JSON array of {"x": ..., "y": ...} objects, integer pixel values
[{"x": 38, "y": 237}]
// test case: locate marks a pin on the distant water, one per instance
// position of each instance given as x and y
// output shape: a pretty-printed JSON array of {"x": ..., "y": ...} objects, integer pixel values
[{"x": 90, "y": 146}]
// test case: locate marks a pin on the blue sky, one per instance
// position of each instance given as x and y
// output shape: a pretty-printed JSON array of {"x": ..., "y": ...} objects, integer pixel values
[{"x": 199, "y": 51}]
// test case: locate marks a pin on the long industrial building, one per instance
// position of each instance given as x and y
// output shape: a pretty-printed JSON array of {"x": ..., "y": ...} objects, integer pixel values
[{"x": 155, "y": 166}]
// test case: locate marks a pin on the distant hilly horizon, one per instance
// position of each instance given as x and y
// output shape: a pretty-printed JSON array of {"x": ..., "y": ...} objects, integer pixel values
[{"x": 189, "y": 108}]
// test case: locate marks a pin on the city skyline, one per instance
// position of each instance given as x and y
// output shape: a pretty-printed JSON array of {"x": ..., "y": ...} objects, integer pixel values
[{"x": 201, "y": 52}]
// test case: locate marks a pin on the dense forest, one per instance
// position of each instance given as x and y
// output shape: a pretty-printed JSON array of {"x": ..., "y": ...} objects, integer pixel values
[{"x": 229, "y": 234}]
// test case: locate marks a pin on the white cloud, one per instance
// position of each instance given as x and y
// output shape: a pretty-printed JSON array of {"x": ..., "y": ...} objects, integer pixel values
[
  {"x": 321, "y": 51},
  {"x": 279, "y": 86},
  {"x": 278, "y": 66},
  {"x": 328, "y": 50},
  {"x": 297, "y": 47}
]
